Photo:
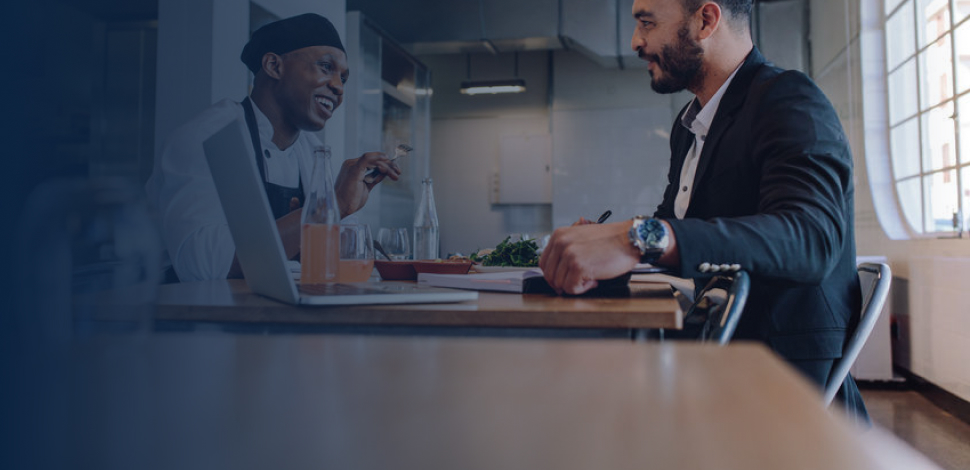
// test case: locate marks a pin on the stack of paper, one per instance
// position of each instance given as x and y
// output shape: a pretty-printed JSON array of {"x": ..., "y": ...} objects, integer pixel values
[
  {"x": 522, "y": 281},
  {"x": 525, "y": 281}
]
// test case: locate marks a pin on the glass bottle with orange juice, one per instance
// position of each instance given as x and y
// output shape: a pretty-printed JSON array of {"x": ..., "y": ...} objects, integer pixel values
[{"x": 320, "y": 231}]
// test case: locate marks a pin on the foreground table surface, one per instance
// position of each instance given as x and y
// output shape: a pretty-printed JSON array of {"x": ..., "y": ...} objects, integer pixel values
[
  {"x": 239, "y": 401},
  {"x": 650, "y": 306}
]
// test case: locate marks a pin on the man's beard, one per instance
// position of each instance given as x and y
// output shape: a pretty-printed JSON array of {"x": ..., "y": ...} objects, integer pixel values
[{"x": 680, "y": 65}]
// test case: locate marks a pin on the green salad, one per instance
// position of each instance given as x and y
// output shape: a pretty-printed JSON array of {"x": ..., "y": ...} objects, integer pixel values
[{"x": 519, "y": 254}]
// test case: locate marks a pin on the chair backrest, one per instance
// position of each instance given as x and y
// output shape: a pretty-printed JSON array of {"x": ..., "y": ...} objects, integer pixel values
[
  {"x": 718, "y": 307},
  {"x": 874, "y": 279}
]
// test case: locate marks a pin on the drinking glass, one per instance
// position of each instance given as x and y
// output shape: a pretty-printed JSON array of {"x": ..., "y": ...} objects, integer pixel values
[
  {"x": 395, "y": 242},
  {"x": 356, "y": 253}
]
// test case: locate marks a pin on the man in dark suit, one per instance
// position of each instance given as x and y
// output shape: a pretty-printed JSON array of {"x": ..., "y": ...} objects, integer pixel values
[{"x": 760, "y": 180}]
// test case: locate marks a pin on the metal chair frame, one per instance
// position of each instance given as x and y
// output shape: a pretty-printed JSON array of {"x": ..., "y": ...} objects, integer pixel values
[
  {"x": 875, "y": 279},
  {"x": 719, "y": 320}
]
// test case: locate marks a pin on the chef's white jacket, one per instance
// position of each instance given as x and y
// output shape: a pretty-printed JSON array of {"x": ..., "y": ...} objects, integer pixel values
[{"x": 194, "y": 228}]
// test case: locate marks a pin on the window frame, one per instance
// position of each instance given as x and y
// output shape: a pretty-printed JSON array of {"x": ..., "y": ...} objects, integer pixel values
[{"x": 924, "y": 109}]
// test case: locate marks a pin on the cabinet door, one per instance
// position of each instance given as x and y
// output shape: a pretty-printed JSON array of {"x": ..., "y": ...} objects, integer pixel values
[{"x": 525, "y": 165}]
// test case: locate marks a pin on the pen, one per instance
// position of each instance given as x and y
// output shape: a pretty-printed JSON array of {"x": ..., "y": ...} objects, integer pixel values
[{"x": 606, "y": 215}]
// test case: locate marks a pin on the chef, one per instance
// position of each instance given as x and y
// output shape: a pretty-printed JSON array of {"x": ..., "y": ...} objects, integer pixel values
[{"x": 300, "y": 67}]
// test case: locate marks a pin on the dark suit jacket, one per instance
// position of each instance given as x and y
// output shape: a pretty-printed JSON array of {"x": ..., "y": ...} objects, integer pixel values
[{"x": 773, "y": 192}]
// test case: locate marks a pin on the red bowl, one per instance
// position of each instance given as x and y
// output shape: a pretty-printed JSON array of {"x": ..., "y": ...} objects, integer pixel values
[
  {"x": 396, "y": 270},
  {"x": 442, "y": 266}
]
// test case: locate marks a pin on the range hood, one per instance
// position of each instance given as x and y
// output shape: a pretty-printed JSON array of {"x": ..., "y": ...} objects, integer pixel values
[{"x": 600, "y": 29}]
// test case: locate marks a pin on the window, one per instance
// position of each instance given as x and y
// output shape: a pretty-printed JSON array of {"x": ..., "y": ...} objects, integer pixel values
[{"x": 928, "y": 103}]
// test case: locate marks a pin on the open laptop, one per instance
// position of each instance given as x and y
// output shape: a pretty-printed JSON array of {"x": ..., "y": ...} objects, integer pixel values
[{"x": 258, "y": 244}]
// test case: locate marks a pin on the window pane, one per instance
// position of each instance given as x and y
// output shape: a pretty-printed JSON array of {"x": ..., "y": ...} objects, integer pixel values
[
  {"x": 902, "y": 96},
  {"x": 910, "y": 200},
  {"x": 890, "y": 4},
  {"x": 963, "y": 55},
  {"x": 965, "y": 176},
  {"x": 904, "y": 142},
  {"x": 964, "y": 104},
  {"x": 941, "y": 200},
  {"x": 936, "y": 73},
  {"x": 900, "y": 40},
  {"x": 962, "y": 8},
  {"x": 933, "y": 19},
  {"x": 939, "y": 146}
]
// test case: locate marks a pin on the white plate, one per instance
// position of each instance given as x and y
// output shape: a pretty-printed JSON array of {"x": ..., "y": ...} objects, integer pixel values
[{"x": 497, "y": 269}]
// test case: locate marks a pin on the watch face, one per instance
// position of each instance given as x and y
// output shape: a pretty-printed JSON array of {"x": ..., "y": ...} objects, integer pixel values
[
  {"x": 643, "y": 231},
  {"x": 654, "y": 234}
]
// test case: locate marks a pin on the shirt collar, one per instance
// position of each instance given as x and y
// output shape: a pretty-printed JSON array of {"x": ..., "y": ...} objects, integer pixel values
[
  {"x": 265, "y": 128},
  {"x": 698, "y": 119}
]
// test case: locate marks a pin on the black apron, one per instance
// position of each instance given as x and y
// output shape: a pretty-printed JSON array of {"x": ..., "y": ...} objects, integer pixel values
[{"x": 279, "y": 196}]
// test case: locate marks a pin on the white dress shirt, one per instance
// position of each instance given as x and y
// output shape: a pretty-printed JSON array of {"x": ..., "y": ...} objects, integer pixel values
[
  {"x": 698, "y": 121},
  {"x": 193, "y": 225}
]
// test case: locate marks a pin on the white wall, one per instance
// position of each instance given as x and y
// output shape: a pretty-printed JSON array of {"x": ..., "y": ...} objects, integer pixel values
[
  {"x": 611, "y": 145},
  {"x": 929, "y": 296},
  {"x": 198, "y": 59},
  {"x": 781, "y": 25},
  {"x": 464, "y": 155}
]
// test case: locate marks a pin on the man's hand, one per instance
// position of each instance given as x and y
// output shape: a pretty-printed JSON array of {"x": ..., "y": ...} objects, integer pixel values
[
  {"x": 352, "y": 191},
  {"x": 577, "y": 256}
]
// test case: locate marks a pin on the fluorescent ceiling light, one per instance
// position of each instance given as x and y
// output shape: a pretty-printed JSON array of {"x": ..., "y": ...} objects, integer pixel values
[{"x": 481, "y": 87}]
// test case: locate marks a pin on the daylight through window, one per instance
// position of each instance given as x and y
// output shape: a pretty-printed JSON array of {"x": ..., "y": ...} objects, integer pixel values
[{"x": 928, "y": 77}]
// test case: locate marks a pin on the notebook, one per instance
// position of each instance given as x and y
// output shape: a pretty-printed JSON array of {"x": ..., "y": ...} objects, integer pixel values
[
  {"x": 524, "y": 281},
  {"x": 521, "y": 280},
  {"x": 258, "y": 245}
]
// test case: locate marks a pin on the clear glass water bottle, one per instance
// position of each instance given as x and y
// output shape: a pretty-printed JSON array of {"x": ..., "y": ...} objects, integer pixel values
[
  {"x": 426, "y": 224},
  {"x": 320, "y": 230}
]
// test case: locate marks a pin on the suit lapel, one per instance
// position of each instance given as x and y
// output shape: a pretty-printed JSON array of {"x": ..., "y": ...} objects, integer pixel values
[
  {"x": 732, "y": 100},
  {"x": 681, "y": 140}
]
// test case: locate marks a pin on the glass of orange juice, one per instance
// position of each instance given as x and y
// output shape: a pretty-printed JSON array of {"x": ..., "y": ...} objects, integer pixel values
[{"x": 356, "y": 253}]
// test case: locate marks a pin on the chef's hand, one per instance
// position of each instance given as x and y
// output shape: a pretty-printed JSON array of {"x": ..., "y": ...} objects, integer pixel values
[
  {"x": 582, "y": 221},
  {"x": 578, "y": 256},
  {"x": 352, "y": 191}
]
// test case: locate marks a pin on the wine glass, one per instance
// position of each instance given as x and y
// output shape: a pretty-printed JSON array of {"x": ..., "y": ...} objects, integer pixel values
[
  {"x": 395, "y": 242},
  {"x": 356, "y": 253}
]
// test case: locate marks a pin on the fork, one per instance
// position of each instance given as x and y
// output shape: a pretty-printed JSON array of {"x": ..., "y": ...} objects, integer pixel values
[
  {"x": 399, "y": 151},
  {"x": 380, "y": 249}
]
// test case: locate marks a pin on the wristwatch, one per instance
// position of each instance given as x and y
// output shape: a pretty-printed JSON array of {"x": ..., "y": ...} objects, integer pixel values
[{"x": 649, "y": 235}]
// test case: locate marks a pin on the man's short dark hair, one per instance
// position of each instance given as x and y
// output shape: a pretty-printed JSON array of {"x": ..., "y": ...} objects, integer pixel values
[{"x": 739, "y": 10}]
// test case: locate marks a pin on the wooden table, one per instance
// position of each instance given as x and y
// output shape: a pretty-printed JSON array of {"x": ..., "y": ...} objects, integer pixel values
[
  {"x": 650, "y": 306},
  {"x": 318, "y": 401}
]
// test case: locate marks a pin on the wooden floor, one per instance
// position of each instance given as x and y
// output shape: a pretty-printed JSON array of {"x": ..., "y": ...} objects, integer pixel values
[{"x": 914, "y": 419}]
